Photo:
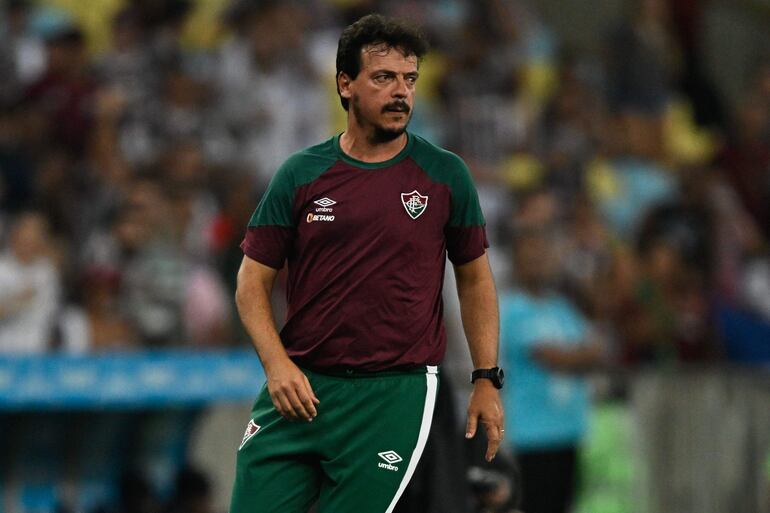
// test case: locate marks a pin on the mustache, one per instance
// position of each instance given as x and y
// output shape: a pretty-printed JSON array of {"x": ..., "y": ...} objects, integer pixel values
[{"x": 397, "y": 106}]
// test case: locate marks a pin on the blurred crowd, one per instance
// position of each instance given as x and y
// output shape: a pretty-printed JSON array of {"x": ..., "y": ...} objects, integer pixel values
[
  {"x": 620, "y": 180},
  {"x": 128, "y": 173}
]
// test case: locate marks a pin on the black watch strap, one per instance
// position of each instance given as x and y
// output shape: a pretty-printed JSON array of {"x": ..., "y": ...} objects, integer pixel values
[{"x": 495, "y": 375}]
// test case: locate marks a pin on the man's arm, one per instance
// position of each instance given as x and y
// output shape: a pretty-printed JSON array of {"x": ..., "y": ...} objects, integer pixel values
[
  {"x": 289, "y": 388},
  {"x": 478, "y": 307},
  {"x": 572, "y": 360}
]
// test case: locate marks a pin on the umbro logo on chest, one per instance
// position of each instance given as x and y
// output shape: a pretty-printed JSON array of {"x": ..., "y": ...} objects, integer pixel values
[{"x": 323, "y": 210}]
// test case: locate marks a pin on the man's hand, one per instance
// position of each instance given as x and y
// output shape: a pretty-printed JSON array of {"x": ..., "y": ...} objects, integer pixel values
[
  {"x": 290, "y": 390},
  {"x": 485, "y": 408}
]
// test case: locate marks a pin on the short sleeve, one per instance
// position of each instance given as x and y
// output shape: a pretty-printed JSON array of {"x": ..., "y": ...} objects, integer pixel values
[
  {"x": 271, "y": 228},
  {"x": 465, "y": 234}
]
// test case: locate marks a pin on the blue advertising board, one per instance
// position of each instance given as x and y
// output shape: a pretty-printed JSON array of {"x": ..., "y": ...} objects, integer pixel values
[{"x": 128, "y": 380}]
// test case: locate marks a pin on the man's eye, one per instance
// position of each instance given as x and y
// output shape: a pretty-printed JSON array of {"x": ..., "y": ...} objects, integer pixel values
[{"x": 381, "y": 78}]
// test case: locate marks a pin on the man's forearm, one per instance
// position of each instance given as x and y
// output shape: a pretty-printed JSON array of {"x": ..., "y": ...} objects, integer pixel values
[
  {"x": 478, "y": 308},
  {"x": 252, "y": 298},
  {"x": 289, "y": 388},
  {"x": 583, "y": 358}
]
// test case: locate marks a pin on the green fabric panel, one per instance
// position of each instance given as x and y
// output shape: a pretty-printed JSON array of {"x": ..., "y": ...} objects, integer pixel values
[
  {"x": 353, "y": 456},
  {"x": 445, "y": 167},
  {"x": 373, "y": 165},
  {"x": 274, "y": 209}
]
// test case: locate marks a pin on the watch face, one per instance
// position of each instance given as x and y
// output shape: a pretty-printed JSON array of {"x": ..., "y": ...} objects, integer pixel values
[{"x": 500, "y": 376}]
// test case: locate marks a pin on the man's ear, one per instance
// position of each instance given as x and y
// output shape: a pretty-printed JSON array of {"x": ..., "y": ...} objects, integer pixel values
[{"x": 343, "y": 85}]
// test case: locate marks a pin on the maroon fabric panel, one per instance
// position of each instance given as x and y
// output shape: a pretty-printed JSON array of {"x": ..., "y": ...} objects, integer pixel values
[
  {"x": 465, "y": 243},
  {"x": 268, "y": 245},
  {"x": 364, "y": 289}
]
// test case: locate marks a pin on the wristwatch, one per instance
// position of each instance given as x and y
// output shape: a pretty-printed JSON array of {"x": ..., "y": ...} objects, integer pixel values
[{"x": 495, "y": 375}]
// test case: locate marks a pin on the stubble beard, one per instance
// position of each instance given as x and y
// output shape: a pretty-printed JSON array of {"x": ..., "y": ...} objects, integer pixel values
[{"x": 379, "y": 134}]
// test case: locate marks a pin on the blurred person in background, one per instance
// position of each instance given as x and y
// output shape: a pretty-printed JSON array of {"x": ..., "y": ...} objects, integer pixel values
[
  {"x": 107, "y": 327},
  {"x": 627, "y": 219},
  {"x": 101, "y": 309},
  {"x": 155, "y": 272},
  {"x": 547, "y": 344},
  {"x": 128, "y": 68},
  {"x": 503, "y": 41},
  {"x": 22, "y": 52},
  {"x": 30, "y": 290},
  {"x": 567, "y": 130},
  {"x": 60, "y": 102},
  {"x": 17, "y": 160},
  {"x": 643, "y": 65},
  {"x": 587, "y": 253},
  {"x": 271, "y": 96},
  {"x": 60, "y": 186},
  {"x": 172, "y": 298},
  {"x": 194, "y": 205},
  {"x": 166, "y": 20},
  {"x": 187, "y": 112},
  {"x": 661, "y": 309},
  {"x": 626, "y": 179},
  {"x": 745, "y": 158}
]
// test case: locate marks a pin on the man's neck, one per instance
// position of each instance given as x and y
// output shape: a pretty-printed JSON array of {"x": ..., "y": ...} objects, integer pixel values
[{"x": 355, "y": 143}]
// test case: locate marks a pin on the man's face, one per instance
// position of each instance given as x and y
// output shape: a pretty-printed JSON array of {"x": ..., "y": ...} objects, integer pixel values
[{"x": 382, "y": 95}]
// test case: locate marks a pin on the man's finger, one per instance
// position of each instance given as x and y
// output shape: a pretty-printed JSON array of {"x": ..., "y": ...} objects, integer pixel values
[
  {"x": 494, "y": 437},
  {"x": 298, "y": 406},
  {"x": 277, "y": 405},
  {"x": 287, "y": 411},
  {"x": 492, "y": 447},
  {"x": 306, "y": 396},
  {"x": 311, "y": 393},
  {"x": 470, "y": 429}
]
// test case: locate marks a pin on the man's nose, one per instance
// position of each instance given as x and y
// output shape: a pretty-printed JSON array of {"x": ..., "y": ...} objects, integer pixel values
[{"x": 400, "y": 90}]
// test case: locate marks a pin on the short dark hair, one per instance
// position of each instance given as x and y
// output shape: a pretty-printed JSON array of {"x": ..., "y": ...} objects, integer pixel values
[{"x": 374, "y": 29}]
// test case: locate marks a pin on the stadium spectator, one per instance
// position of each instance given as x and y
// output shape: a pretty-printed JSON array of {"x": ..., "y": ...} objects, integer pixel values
[
  {"x": 30, "y": 290},
  {"x": 746, "y": 158},
  {"x": 270, "y": 93},
  {"x": 142, "y": 149},
  {"x": 59, "y": 101},
  {"x": 547, "y": 344},
  {"x": 22, "y": 53},
  {"x": 643, "y": 62},
  {"x": 107, "y": 326},
  {"x": 128, "y": 67}
]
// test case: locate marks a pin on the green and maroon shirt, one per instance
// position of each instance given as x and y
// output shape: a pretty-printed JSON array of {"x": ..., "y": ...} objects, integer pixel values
[{"x": 366, "y": 245}]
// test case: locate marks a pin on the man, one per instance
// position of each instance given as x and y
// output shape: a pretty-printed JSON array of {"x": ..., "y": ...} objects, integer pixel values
[
  {"x": 364, "y": 220},
  {"x": 30, "y": 287},
  {"x": 546, "y": 341}
]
